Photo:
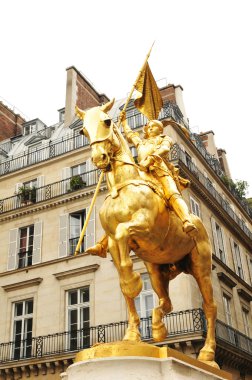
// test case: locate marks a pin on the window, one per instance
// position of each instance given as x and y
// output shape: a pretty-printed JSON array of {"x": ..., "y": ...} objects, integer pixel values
[
  {"x": 28, "y": 129},
  {"x": 246, "y": 318},
  {"x": 76, "y": 224},
  {"x": 219, "y": 244},
  {"x": 237, "y": 259},
  {"x": 78, "y": 318},
  {"x": 227, "y": 309},
  {"x": 135, "y": 119},
  {"x": 26, "y": 237},
  {"x": 195, "y": 207},
  {"x": 250, "y": 268},
  {"x": 144, "y": 305},
  {"x": 22, "y": 329},
  {"x": 78, "y": 169}
]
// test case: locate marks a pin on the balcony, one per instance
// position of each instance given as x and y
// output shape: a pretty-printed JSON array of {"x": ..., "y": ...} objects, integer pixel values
[
  {"x": 52, "y": 190},
  {"x": 180, "y": 323},
  {"x": 181, "y": 326},
  {"x": 73, "y": 141},
  {"x": 176, "y": 154}
]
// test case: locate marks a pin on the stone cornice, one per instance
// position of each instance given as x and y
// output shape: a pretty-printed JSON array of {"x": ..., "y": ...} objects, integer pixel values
[
  {"x": 232, "y": 273},
  {"x": 22, "y": 284},
  {"x": 226, "y": 279},
  {"x": 76, "y": 271},
  {"x": 245, "y": 295}
]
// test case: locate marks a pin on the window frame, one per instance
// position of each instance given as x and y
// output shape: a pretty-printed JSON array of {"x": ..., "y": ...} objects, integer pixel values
[
  {"x": 195, "y": 205},
  {"x": 81, "y": 335},
  {"x": 25, "y": 348},
  {"x": 26, "y": 255}
]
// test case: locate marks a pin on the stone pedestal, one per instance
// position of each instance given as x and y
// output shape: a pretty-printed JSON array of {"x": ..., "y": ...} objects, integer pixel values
[{"x": 117, "y": 362}]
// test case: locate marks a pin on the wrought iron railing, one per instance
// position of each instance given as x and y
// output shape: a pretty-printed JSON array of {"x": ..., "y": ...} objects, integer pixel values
[
  {"x": 73, "y": 141},
  {"x": 24, "y": 259},
  {"x": 178, "y": 154},
  {"x": 179, "y": 323},
  {"x": 51, "y": 191},
  {"x": 73, "y": 243},
  {"x": 183, "y": 322},
  {"x": 235, "y": 338}
]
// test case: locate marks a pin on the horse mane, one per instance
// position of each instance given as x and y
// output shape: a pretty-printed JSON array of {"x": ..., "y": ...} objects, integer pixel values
[{"x": 123, "y": 142}]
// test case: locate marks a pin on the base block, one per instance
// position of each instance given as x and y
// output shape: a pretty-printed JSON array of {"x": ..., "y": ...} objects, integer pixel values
[{"x": 141, "y": 361}]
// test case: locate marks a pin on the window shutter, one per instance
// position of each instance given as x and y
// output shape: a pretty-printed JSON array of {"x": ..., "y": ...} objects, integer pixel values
[
  {"x": 244, "y": 266},
  {"x": 91, "y": 173},
  {"x": 17, "y": 198},
  {"x": 234, "y": 255},
  {"x": 215, "y": 239},
  {"x": 63, "y": 232},
  {"x": 40, "y": 192},
  {"x": 13, "y": 249},
  {"x": 18, "y": 185},
  {"x": 90, "y": 232},
  {"x": 36, "y": 254},
  {"x": 66, "y": 173},
  {"x": 225, "y": 247}
]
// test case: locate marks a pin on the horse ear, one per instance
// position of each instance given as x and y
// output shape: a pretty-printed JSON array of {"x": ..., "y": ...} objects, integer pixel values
[
  {"x": 79, "y": 113},
  {"x": 107, "y": 106}
]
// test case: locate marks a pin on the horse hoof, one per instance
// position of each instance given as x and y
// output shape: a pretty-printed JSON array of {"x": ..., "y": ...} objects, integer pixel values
[
  {"x": 159, "y": 332},
  {"x": 133, "y": 286},
  {"x": 132, "y": 335},
  {"x": 206, "y": 356}
]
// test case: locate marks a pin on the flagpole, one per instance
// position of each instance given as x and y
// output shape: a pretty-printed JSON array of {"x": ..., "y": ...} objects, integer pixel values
[
  {"x": 134, "y": 85},
  {"x": 77, "y": 249}
]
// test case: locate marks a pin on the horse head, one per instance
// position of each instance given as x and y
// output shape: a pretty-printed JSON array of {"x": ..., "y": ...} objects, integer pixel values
[
  {"x": 98, "y": 128},
  {"x": 104, "y": 136}
]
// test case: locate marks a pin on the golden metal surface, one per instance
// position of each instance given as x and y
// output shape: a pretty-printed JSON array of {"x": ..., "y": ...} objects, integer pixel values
[
  {"x": 141, "y": 349},
  {"x": 135, "y": 217}
]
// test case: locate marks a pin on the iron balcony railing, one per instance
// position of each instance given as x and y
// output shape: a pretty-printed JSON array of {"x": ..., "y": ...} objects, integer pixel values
[
  {"x": 51, "y": 191},
  {"x": 73, "y": 243},
  {"x": 73, "y": 140},
  {"x": 25, "y": 258},
  {"x": 233, "y": 337},
  {"x": 179, "y": 323},
  {"x": 90, "y": 178},
  {"x": 178, "y": 154}
]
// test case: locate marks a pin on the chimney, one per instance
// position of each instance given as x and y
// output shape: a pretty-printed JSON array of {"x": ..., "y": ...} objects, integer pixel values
[
  {"x": 208, "y": 140},
  {"x": 174, "y": 94},
  {"x": 80, "y": 92},
  {"x": 223, "y": 162}
]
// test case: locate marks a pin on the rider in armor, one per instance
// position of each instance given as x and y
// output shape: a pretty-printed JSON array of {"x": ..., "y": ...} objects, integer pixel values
[{"x": 152, "y": 156}]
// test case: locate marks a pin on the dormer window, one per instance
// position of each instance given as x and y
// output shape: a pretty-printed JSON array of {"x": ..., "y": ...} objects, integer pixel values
[{"x": 30, "y": 128}]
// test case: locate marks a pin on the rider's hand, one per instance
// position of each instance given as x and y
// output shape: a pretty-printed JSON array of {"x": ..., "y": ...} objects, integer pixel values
[
  {"x": 147, "y": 162},
  {"x": 122, "y": 116}
]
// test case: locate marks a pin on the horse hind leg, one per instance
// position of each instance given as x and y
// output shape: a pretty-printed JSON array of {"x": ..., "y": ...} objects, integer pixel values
[
  {"x": 200, "y": 268},
  {"x": 160, "y": 285}
]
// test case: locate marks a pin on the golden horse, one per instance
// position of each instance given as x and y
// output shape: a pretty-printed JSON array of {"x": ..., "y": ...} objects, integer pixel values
[{"x": 135, "y": 217}]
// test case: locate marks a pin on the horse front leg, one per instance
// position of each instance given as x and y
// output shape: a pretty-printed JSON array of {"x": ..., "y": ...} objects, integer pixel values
[
  {"x": 131, "y": 282},
  {"x": 160, "y": 284},
  {"x": 132, "y": 333}
]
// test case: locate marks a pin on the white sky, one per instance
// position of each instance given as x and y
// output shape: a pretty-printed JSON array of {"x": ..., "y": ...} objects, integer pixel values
[{"x": 203, "y": 45}]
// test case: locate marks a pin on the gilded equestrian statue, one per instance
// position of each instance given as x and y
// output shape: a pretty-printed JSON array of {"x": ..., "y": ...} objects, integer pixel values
[{"x": 136, "y": 217}]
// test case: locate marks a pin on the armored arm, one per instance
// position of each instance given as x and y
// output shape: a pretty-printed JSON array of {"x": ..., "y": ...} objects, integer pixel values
[{"x": 132, "y": 137}]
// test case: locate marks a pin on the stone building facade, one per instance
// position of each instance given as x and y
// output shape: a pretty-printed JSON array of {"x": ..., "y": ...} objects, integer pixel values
[{"x": 54, "y": 303}]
